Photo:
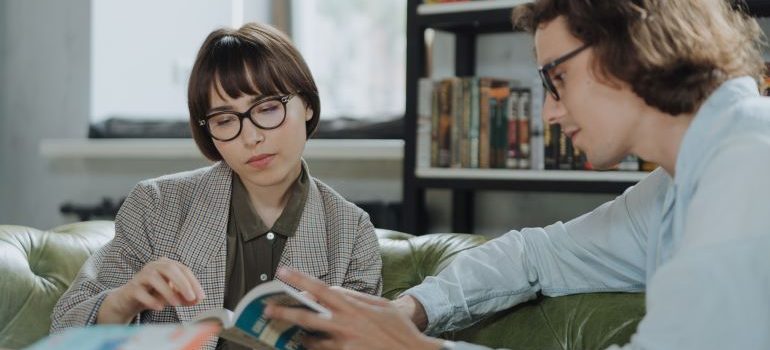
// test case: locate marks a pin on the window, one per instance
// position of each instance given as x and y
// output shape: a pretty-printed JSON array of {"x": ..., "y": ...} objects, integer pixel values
[
  {"x": 142, "y": 52},
  {"x": 356, "y": 51}
]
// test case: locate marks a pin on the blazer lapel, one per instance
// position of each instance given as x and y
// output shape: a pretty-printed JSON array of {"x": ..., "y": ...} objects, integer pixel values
[
  {"x": 306, "y": 251},
  {"x": 202, "y": 240}
]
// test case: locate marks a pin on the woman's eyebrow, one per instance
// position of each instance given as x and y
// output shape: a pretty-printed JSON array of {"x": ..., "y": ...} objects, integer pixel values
[{"x": 223, "y": 108}]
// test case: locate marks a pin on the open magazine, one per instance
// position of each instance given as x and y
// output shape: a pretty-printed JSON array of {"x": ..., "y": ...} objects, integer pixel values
[
  {"x": 130, "y": 337},
  {"x": 247, "y": 326}
]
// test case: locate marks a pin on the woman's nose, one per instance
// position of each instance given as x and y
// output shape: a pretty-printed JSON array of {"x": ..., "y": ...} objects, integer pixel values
[{"x": 250, "y": 133}]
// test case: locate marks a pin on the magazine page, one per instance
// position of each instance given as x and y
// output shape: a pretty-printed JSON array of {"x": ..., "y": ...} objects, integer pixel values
[
  {"x": 131, "y": 337},
  {"x": 276, "y": 334}
]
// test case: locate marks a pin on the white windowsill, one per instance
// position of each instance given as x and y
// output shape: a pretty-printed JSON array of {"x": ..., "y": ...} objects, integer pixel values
[{"x": 329, "y": 149}]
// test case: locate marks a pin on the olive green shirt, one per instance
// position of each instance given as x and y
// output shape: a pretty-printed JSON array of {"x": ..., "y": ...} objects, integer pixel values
[{"x": 253, "y": 249}]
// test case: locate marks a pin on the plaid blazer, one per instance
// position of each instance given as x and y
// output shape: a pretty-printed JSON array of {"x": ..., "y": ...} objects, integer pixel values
[{"x": 184, "y": 217}]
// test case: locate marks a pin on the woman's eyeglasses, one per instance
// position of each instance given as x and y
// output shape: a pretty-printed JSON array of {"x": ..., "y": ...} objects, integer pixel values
[{"x": 268, "y": 113}]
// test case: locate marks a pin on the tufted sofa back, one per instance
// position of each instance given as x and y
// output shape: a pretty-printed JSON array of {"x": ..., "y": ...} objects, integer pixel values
[{"x": 38, "y": 266}]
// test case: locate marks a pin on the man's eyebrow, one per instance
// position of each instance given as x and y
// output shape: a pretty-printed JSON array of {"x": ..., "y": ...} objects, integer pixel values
[{"x": 230, "y": 108}]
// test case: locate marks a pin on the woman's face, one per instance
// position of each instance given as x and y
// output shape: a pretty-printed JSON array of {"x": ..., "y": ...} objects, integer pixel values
[
  {"x": 600, "y": 118},
  {"x": 263, "y": 158}
]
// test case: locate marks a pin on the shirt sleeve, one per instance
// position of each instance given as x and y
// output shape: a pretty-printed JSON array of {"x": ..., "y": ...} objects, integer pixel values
[
  {"x": 110, "y": 267},
  {"x": 365, "y": 271},
  {"x": 604, "y": 250},
  {"x": 713, "y": 293}
]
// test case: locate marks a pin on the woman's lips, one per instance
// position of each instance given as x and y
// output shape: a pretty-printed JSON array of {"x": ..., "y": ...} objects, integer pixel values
[{"x": 261, "y": 161}]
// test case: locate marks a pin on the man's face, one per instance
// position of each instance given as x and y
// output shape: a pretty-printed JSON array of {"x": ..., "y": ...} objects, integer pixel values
[{"x": 598, "y": 115}]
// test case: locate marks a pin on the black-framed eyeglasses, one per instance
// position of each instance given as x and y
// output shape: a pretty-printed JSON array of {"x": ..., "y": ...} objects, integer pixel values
[
  {"x": 267, "y": 114},
  {"x": 544, "y": 70}
]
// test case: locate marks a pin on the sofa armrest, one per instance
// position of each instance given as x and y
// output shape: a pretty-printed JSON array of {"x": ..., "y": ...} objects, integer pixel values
[{"x": 37, "y": 267}]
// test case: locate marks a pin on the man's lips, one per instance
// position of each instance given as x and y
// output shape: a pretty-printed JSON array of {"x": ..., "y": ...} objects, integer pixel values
[{"x": 571, "y": 133}]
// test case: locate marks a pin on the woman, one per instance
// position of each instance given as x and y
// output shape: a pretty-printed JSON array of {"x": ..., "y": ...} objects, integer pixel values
[{"x": 193, "y": 241}]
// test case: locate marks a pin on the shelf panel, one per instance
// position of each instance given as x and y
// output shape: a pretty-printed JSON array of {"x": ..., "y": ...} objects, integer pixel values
[
  {"x": 548, "y": 175},
  {"x": 474, "y": 16},
  {"x": 528, "y": 180},
  {"x": 334, "y": 149},
  {"x": 495, "y": 15},
  {"x": 468, "y": 6}
]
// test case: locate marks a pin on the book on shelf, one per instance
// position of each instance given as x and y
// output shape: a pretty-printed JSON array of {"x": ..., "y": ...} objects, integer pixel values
[
  {"x": 248, "y": 326},
  {"x": 487, "y": 123}
]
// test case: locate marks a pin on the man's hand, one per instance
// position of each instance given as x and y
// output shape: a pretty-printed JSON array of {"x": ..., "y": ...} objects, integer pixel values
[
  {"x": 413, "y": 309},
  {"x": 163, "y": 282},
  {"x": 358, "y": 320}
]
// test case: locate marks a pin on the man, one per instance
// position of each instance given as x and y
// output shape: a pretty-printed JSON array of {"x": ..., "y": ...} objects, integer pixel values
[{"x": 673, "y": 82}]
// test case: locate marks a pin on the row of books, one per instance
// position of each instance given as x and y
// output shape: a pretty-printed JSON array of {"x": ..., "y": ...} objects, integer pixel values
[{"x": 488, "y": 123}]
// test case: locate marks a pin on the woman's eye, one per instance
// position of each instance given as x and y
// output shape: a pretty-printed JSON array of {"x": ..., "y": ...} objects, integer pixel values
[{"x": 267, "y": 109}]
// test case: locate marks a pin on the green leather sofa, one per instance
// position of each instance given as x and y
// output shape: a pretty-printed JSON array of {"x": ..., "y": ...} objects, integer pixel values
[{"x": 37, "y": 267}]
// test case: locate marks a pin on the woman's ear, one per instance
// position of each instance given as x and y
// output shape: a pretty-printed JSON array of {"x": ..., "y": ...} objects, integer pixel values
[{"x": 308, "y": 113}]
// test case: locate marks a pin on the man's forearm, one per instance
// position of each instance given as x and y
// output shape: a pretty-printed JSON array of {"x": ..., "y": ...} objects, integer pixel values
[{"x": 412, "y": 308}]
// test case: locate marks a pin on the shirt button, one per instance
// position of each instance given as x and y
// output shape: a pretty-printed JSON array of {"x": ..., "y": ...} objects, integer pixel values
[
  {"x": 270, "y": 236},
  {"x": 263, "y": 277}
]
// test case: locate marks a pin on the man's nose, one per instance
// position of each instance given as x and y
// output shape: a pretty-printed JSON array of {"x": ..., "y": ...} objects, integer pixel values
[{"x": 553, "y": 110}]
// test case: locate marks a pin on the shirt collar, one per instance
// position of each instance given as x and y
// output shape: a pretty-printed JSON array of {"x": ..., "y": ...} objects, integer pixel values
[
  {"x": 252, "y": 226},
  {"x": 710, "y": 123}
]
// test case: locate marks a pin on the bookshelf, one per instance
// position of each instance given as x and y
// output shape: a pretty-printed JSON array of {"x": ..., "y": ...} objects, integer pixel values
[{"x": 467, "y": 20}]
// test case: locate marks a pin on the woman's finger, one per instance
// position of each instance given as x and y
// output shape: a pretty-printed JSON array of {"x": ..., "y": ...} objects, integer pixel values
[
  {"x": 178, "y": 280},
  {"x": 196, "y": 285},
  {"x": 155, "y": 281},
  {"x": 147, "y": 300}
]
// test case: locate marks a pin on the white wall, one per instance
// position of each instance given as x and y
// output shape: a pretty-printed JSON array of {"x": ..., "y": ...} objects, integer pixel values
[
  {"x": 45, "y": 89},
  {"x": 4, "y": 143}
]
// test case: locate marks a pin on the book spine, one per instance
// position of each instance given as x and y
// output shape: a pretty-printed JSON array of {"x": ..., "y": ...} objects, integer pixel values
[
  {"x": 511, "y": 160},
  {"x": 537, "y": 130},
  {"x": 474, "y": 124},
  {"x": 445, "y": 123},
  {"x": 424, "y": 121},
  {"x": 523, "y": 128}
]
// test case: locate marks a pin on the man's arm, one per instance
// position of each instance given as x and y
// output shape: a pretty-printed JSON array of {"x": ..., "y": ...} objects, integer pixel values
[{"x": 605, "y": 250}]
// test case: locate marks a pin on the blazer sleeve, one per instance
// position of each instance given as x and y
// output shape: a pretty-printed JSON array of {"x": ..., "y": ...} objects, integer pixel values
[
  {"x": 365, "y": 271},
  {"x": 110, "y": 267}
]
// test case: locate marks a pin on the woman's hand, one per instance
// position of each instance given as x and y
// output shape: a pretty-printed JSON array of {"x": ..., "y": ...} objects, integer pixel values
[
  {"x": 163, "y": 282},
  {"x": 358, "y": 320}
]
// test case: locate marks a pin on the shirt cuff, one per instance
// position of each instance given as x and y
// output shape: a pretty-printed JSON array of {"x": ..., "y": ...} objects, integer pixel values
[{"x": 435, "y": 303}]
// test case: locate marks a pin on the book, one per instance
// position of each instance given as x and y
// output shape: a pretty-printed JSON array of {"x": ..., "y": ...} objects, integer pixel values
[
  {"x": 247, "y": 326},
  {"x": 130, "y": 337}
]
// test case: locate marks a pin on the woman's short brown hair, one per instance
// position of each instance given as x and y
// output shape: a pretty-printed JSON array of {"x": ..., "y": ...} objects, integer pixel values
[
  {"x": 255, "y": 58},
  {"x": 673, "y": 53}
]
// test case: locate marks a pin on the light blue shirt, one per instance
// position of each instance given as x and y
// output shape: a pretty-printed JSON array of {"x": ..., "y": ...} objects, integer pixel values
[{"x": 698, "y": 244}]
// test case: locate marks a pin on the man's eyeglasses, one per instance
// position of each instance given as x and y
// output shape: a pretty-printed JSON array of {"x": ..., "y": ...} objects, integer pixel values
[
  {"x": 268, "y": 113},
  {"x": 544, "y": 71}
]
